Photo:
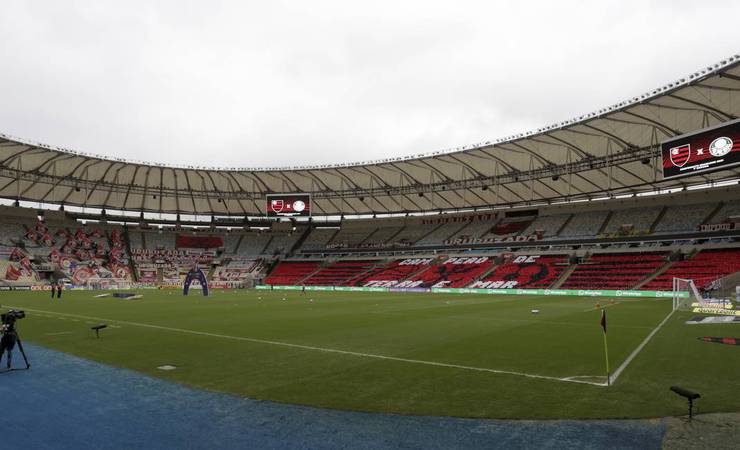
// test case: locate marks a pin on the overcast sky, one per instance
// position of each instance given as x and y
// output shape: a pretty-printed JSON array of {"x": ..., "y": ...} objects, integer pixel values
[{"x": 280, "y": 83}]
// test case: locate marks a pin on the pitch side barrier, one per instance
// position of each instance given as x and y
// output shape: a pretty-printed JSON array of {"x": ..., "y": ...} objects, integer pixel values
[{"x": 563, "y": 292}]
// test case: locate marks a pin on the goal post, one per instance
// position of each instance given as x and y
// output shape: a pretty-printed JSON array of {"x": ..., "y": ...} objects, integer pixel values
[{"x": 685, "y": 294}]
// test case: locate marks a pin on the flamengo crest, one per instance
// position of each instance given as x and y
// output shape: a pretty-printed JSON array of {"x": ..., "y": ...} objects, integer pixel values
[{"x": 680, "y": 155}]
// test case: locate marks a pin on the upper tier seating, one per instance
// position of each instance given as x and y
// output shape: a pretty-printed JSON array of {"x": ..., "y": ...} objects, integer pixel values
[
  {"x": 452, "y": 273},
  {"x": 160, "y": 240},
  {"x": 439, "y": 235},
  {"x": 352, "y": 234},
  {"x": 135, "y": 239},
  {"x": 230, "y": 242},
  {"x": 728, "y": 210},
  {"x": 509, "y": 227},
  {"x": 584, "y": 224},
  {"x": 290, "y": 273},
  {"x": 10, "y": 233},
  {"x": 392, "y": 273},
  {"x": 474, "y": 229},
  {"x": 548, "y": 225},
  {"x": 318, "y": 238},
  {"x": 705, "y": 267},
  {"x": 339, "y": 273},
  {"x": 614, "y": 271},
  {"x": 526, "y": 271},
  {"x": 684, "y": 218},
  {"x": 640, "y": 219},
  {"x": 381, "y": 236},
  {"x": 253, "y": 244},
  {"x": 281, "y": 243},
  {"x": 412, "y": 233}
]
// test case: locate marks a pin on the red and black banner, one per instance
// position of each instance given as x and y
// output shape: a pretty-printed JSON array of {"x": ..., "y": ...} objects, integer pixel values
[
  {"x": 715, "y": 148},
  {"x": 281, "y": 205},
  {"x": 721, "y": 340},
  {"x": 185, "y": 241}
]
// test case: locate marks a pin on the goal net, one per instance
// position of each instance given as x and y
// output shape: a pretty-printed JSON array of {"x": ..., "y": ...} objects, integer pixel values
[
  {"x": 685, "y": 294},
  {"x": 107, "y": 283}
]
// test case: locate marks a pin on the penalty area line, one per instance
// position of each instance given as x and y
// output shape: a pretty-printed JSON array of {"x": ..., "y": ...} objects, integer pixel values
[{"x": 327, "y": 350}]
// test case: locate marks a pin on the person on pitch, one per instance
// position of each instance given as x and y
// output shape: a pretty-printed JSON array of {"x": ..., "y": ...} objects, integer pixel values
[{"x": 7, "y": 344}]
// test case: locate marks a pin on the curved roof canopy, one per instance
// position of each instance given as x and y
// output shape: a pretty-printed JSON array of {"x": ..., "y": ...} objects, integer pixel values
[{"x": 612, "y": 151}]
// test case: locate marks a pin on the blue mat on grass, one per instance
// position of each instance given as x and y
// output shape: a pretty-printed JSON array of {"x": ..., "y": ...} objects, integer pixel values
[{"x": 65, "y": 402}]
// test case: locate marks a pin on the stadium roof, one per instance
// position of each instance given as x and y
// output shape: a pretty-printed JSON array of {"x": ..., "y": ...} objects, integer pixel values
[{"x": 612, "y": 151}]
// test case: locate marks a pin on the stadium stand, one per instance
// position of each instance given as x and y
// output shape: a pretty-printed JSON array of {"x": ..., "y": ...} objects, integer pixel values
[
  {"x": 684, "y": 218},
  {"x": 585, "y": 224},
  {"x": 412, "y": 233},
  {"x": 352, "y": 234},
  {"x": 524, "y": 271},
  {"x": 614, "y": 271},
  {"x": 253, "y": 243},
  {"x": 704, "y": 268},
  {"x": 443, "y": 231},
  {"x": 547, "y": 225},
  {"x": 392, "y": 273},
  {"x": 633, "y": 220},
  {"x": 454, "y": 272},
  {"x": 339, "y": 273},
  {"x": 382, "y": 235},
  {"x": 319, "y": 238},
  {"x": 291, "y": 273}
]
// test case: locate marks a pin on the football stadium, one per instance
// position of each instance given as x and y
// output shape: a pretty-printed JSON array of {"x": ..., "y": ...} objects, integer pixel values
[{"x": 579, "y": 281}]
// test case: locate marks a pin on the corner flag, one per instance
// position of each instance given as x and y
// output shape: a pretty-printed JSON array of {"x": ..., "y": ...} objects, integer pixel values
[
  {"x": 603, "y": 320},
  {"x": 606, "y": 348}
]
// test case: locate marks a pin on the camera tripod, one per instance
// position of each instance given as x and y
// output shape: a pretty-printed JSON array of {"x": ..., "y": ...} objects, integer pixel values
[{"x": 7, "y": 344}]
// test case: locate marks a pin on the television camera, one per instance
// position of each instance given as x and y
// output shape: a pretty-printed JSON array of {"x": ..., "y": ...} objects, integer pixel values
[{"x": 10, "y": 337}]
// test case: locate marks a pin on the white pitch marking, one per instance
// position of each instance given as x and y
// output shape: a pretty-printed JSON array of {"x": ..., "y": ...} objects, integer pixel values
[
  {"x": 341, "y": 352},
  {"x": 57, "y": 334},
  {"x": 639, "y": 348}
]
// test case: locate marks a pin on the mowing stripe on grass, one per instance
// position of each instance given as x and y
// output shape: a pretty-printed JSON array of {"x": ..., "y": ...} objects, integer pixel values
[
  {"x": 613, "y": 377},
  {"x": 325, "y": 350}
]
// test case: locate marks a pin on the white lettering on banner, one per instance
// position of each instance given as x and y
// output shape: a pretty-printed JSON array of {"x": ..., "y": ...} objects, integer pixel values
[
  {"x": 500, "y": 284},
  {"x": 393, "y": 283},
  {"x": 479, "y": 260},
  {"x": 526, "y": 259},
  {"x": 415, "y": 262}
]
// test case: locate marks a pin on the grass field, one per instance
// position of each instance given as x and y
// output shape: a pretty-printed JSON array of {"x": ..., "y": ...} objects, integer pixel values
[{"x": 427, "y": 354}]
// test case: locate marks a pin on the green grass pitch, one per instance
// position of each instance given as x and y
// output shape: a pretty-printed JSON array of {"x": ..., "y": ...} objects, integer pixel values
[{"x": 425, "y": 354}]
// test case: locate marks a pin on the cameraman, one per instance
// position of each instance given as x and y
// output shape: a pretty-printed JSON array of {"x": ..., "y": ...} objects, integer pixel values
[{"x": 7, "y": 343}]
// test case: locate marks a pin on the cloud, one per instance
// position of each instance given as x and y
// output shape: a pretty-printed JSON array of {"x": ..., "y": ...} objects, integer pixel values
[{"x": 273, "y": 83}]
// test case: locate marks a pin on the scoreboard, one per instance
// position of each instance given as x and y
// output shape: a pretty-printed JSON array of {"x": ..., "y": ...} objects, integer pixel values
[
  {"x": 707, "y": 150},
  {"x": 288, "y": 205}
]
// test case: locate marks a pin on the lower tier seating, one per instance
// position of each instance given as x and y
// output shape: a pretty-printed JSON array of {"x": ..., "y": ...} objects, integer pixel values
[
  {"x": 704, "y": 268},
  {"x": 525, "y": 272},
  {"x": 338, "y": 273},
  {"x": 290, "y": 273},
  {"x": 392, "y": 273},
  {"x": 615, "y": 271},
  {"x": 453, "y": 273}
]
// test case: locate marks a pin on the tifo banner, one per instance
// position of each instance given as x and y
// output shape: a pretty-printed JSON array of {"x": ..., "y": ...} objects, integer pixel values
[
  {"x": 569, "y": 292},
  {"x": 185, "y": 241}
]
